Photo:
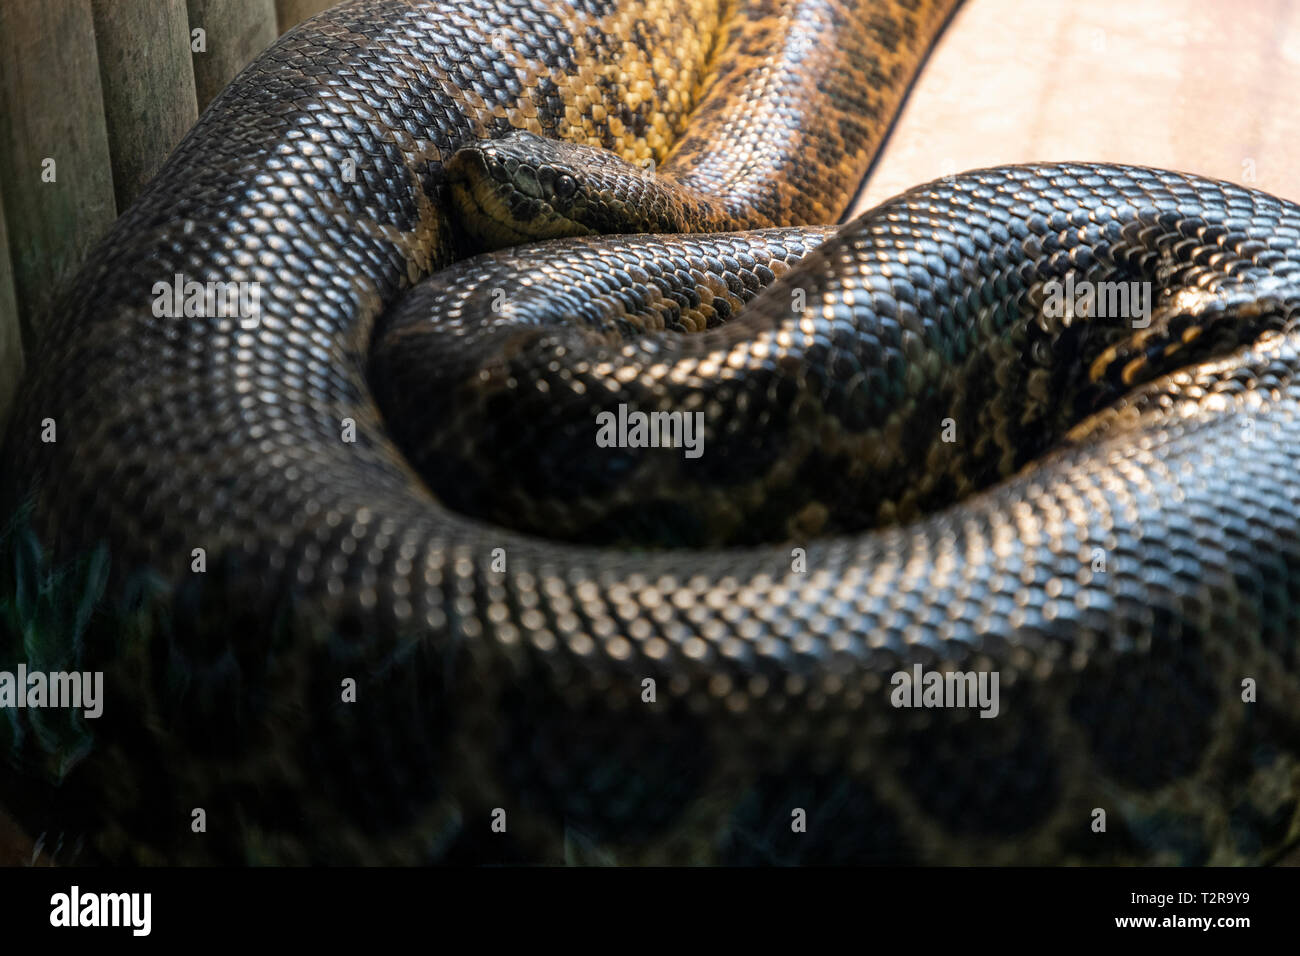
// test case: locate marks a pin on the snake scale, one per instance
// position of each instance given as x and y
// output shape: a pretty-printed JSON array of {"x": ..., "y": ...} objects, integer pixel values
[{"x": 568, "y": 652}]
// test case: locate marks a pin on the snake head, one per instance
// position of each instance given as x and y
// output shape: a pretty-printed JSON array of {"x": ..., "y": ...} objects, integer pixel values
[{"x": 524, "y": 187}]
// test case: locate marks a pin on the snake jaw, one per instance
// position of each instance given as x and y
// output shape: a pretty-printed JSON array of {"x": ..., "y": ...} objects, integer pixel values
[
  {"x": 499, "y": 203},
  {"x": 525, "y": 187}
]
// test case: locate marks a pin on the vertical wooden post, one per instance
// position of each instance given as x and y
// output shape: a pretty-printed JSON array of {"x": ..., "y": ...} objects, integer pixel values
[
  {"x": 148, "y": 81},
  {"x": 55, "y": 173},
  {"x": 234, "y": 31}
]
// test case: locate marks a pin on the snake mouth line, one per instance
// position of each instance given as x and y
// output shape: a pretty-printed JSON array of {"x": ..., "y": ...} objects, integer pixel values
[
  {"x": 483, "y": 213},
  {"x": 483, "y": 223}
]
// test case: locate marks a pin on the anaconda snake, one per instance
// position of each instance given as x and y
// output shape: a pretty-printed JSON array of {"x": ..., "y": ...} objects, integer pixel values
[{"x": 1102, "y": 513}]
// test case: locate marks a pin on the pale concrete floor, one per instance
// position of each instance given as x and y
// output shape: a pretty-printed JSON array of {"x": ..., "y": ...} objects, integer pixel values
[{"x": 1203, "y": 86}]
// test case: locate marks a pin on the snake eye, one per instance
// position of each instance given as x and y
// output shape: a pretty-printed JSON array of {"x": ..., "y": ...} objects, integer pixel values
[{"x": 565, "y": 186}]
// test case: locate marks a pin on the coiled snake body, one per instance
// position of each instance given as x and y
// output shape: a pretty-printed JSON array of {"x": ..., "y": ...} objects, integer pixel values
[{"x": 496, "y": 644}]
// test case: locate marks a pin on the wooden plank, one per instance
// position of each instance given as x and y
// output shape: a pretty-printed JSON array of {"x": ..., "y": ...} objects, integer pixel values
[
  {"x": 55, "y": 172},
  {"x": 234, "y": 31},
  {"x": 148, "y": 80},
  {"x": 11, "y": 344},
  {"x": 293, "y": 12}
]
